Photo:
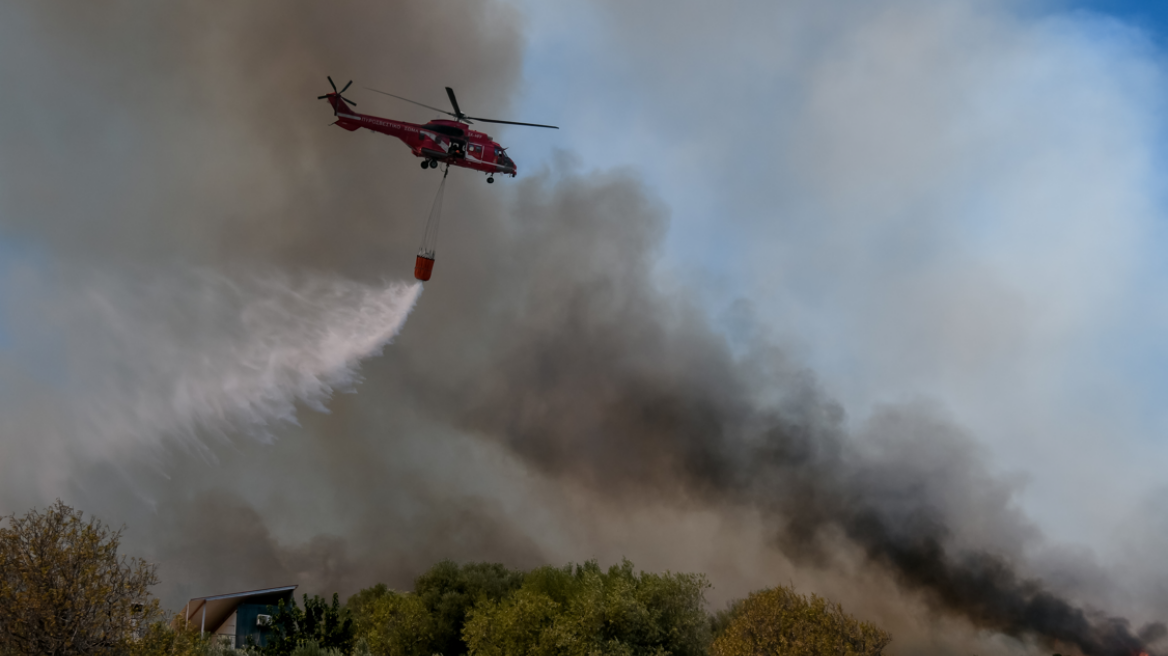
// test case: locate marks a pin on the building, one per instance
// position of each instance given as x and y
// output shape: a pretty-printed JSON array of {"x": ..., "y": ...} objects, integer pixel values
[{"x": 236, "y": 616}]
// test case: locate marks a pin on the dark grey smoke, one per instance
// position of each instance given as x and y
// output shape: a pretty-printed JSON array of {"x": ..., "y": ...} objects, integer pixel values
[
  {"x": 601, "y": 377},
  {"x": 190, "y": 133}
]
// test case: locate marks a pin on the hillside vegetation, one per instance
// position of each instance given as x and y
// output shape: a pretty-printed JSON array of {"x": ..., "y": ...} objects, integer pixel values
[{"x": 65, "y": 591}]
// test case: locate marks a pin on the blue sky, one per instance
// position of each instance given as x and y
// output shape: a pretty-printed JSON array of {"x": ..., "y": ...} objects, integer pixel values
[{"x": 1148, "y": 14}]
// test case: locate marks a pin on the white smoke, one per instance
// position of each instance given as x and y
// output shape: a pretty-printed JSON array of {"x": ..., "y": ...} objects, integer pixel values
[{"x": 173, "y": 361}]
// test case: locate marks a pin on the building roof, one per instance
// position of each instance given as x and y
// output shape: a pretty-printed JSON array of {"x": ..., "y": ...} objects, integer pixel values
[
  {"x": 249, "y": 593},
  {"x": 211, "y": 612}
]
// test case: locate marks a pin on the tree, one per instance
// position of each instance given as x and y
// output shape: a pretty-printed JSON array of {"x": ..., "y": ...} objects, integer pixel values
[
  {"x": 448, "y": 591},
  {"x": 721, "y": 620},
  {"x": 430, "y": 619},
  {"x": 582, "y": 610},
  {"x": 781, "y": 621},
  {"x": 327, "y": 626},
  {"x": 63, "y": 588},
  {"x": 572, "y": 610},
  {"x": 393, "y": 623}
]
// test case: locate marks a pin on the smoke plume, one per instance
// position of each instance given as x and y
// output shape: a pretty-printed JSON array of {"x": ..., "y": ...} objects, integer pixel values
[{"x": 603, "y": 379}]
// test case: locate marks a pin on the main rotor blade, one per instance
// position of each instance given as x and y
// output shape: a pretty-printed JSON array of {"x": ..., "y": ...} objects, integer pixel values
[
  {"x": 346, "y": 86},
  {"x": 331, "y": 83},
  {"x": 454, "y": 102},
  {"x": 321, "y": 97},
  {"x": 442, "y": 111},
  {"x": 533, "y": 125},
  {"x": 349, "y": 101}
]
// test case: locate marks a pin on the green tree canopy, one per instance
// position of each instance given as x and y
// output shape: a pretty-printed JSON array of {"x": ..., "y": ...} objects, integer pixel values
[
  {"x": 393, "y": 623},
  {"x": 63, "y": 587},
  {"x": 430, "y": 619},
  {"x": 325, "y": 626},
  {"x": 780, "y": 621},
  {"x": 585, "y": 610},
  {"x": 449, "y": 591}
]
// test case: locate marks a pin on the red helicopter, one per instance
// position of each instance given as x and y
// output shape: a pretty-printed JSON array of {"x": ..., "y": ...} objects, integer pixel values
[{"x": 440, "y": 140}]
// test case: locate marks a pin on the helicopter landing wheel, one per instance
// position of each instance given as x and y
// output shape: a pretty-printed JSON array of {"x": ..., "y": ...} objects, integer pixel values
[
  {"x": 433, "y": 163},
  {"x": 491, "y": 180},
  {"x": 425, "y": 163}
]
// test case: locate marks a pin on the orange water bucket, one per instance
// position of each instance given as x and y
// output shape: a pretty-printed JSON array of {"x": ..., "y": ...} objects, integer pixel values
[{"x": 423, "y": 268}]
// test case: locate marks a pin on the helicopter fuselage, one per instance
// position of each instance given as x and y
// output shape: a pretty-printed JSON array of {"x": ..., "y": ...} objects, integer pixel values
[{"x": 442, "y": 141}]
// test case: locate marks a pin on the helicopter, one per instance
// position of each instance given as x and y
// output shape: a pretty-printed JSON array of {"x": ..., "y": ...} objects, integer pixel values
[{"x": 438, "y": 141}]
